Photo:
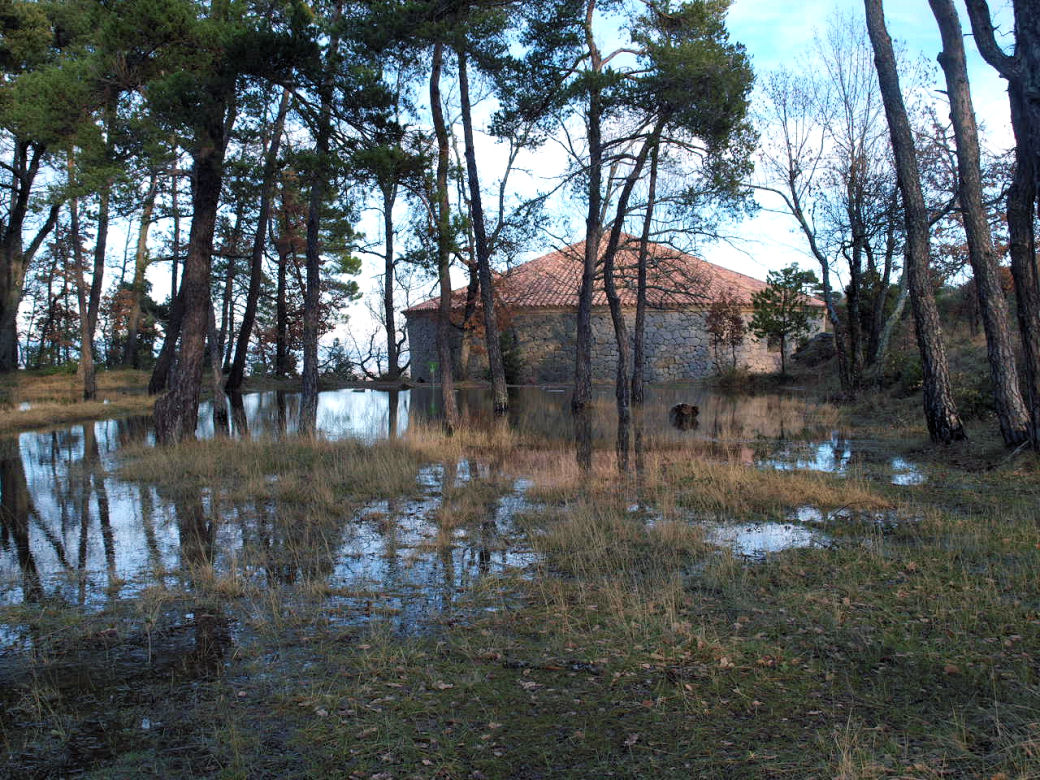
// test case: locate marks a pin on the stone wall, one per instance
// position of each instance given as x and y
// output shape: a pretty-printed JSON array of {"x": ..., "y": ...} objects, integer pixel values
[
  {"x": 422, "y": 345},
  {"x": 677, "y": 347}
]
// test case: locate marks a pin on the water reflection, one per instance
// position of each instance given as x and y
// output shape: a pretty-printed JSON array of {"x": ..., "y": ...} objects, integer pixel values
[
  {"x": 537, "y": 414},
  {"x": 833, "y": 455},
  {"x": 15, "y": 511},
  {"x": 72, "y": 532},
  {"x": 758, "y": 540},
  {"x": 69, "y": 531},
  {"x": 543, "y": 414}
]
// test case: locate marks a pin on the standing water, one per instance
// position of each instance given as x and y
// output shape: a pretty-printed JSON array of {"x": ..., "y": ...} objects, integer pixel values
[{"x": 75, "y": 534}]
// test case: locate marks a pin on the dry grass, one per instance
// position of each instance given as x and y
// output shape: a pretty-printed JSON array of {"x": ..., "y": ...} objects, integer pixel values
[
  {"x": 33, "y": 386},
  {"x": 634, "y": 650},
  {"x": 47, "y": 414},
  {"x": 738, "y": 490},
  {"x": 56, "y": 399},
  {"x": 314, "y": 474},
  {"x": 593, "y": 539},
  {"x": 493, "y": 444},
  {"x": 726, "y": 485}
]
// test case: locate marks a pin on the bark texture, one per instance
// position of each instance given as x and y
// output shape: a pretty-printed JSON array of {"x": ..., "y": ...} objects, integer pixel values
[
  {"x": 176, "y": 413},
  {"x": 1022, "y": 71},
  {"x": 944, "y": 425},
  {"x": 85, "y": 370},
  {"x": 256, "y": 260},
  {"x": 14, "y": 255},
  {"x": 499, "y": 394},
  {"x": 133, "y": 328},
  {"x": 318, "y": 187},
  {"x": 639, "y": 337},
  {"x": 443, "y": 215},
  {"x": 593, "y": 226},
  {"x": 1011, "y": 409},
  {"x": 393, "y": 347}
]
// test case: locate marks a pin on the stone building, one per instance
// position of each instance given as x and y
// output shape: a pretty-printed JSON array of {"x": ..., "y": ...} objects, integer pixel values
[{"x": 537, "y": 303}]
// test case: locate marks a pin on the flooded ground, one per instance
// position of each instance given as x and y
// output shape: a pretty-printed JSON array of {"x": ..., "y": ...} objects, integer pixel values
[
  {"x": 387, "y": 601},
  {"x": 75, "y": 534}
]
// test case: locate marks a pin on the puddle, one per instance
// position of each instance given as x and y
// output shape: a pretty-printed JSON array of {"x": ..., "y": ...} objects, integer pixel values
[
  {"x": 754, "y": 540},
  {"x": 884, "y": 519},
  {"x": 832, "y": 456},
  {"x": 108, "y": 540},
  {"x": 73, "y": 534},
  {"x": 839, "y": 456},
  {"x": 758, "y": 540},
  {"x": 906, "y": 473}
]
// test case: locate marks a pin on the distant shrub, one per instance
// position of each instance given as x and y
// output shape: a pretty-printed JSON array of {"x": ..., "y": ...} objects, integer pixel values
[
  {"x": 725, "y": 324},
  {"x": 973, "y": 394},
  {"x": 903, "y": 373},
  {"x": 512, "y": 360},
  {"x": 734, "y": 379}
]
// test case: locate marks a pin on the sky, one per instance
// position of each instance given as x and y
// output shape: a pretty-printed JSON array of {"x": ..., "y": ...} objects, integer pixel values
[
  {"x": 776, "y": 33},
  {"x": 776, "y": 37}
]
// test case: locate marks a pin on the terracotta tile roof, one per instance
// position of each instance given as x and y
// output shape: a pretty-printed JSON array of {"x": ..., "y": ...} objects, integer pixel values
[{"x": 675, "y": 280}]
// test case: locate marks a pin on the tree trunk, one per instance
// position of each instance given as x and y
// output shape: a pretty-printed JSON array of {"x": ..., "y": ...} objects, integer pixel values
[
  {"x": 877, "y": 320},
  {"x": 160, "y": 378},
  {"x": 499, "y": 394},
  {"x": 176, "y": 244},
  {"x": 582, "y": 419},
  {"x": 1011, "y": 410},
  {"x": 318, "y": 188},
  {"x": 176, "y": 413},
  {"x": 451, "y": 410},
  {"x": 220, "y": 401},
  {"x": 238, "y": 415},
  {"x": 101, "y": 241},
  {"x": 593, "y": 227},
  {"x": 281, "y": 343},
  {"x": 130, "y": 356},
  {"x": 227, "y": 298},
  {"x": 944, "y": 425},
  {"x": 100, "y": 248},
  {"x": 885, "y": 335},
  {"x": 393, "y": 352},
  {"x": 256, "y": 266},
  {"x": 639, "y": 339},
  {"x": 1022, "y": 71},
  {"x": 14, "y": 256},
  {"x": 1022, "y": 249},
  {"x": 85, "y": 370},
  {"x": 469, "y": 312},
  {"x": 852, "y": 301},
  {"x": 622, "y": 379}
]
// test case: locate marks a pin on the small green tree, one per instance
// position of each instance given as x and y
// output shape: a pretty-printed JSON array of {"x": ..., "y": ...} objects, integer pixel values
[
  {"x": 781, "y": 311},
  {"x": 725, "y": 324}
]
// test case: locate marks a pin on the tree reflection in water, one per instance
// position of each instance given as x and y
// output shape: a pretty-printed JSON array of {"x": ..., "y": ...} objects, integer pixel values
[{"x": 15, "y": 509}]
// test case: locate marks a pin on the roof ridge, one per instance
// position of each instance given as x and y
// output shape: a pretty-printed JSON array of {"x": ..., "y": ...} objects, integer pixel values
[{"x": 553, "y": 280}]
